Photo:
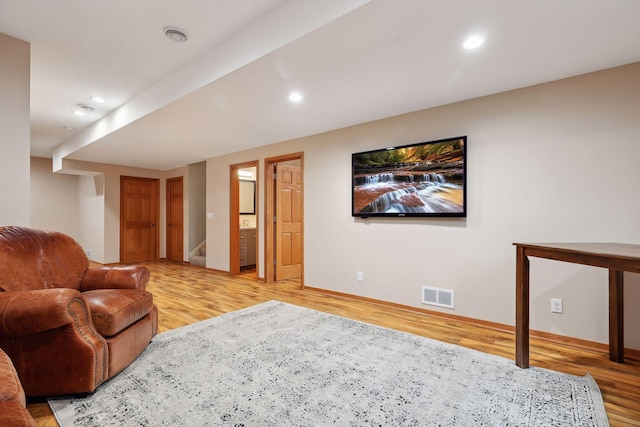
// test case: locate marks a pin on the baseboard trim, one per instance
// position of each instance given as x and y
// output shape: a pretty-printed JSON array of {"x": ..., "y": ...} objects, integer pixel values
[{"x": 543, "y": 336}]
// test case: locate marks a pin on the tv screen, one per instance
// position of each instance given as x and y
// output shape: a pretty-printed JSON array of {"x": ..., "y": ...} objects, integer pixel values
[{"x": 427, "y": 179}]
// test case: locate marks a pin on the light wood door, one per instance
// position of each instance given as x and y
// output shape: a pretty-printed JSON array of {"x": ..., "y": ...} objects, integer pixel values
[
  {"x": 288, "y": 222},
  {"x": 139, "y": 211},
  {"x": 175, "y": 220}
]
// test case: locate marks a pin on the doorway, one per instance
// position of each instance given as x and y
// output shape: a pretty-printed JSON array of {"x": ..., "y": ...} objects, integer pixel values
[
  {"x": 284, "y": 238},
  {"x": 139, "y": 212},
  {"x": 243, "y": 223},
  {"x": 175, "y": 220}
]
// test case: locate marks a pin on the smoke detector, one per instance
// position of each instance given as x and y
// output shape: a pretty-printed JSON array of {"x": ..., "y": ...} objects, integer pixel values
[{"x": 175, "y": 34}]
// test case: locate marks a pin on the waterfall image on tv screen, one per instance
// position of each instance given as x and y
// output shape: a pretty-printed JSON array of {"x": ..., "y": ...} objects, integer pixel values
[{"x": 425, "y": 179}]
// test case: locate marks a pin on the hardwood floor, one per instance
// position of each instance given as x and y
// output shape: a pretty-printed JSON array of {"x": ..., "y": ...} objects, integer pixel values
[{"x": 187, "y": 294}]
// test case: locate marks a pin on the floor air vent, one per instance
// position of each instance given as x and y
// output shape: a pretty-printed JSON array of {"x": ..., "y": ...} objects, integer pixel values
[{"x": 437, "y": 296}]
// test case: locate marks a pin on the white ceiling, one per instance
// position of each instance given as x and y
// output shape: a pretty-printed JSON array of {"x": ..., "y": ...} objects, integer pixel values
[{"x": 225, "y": 90}]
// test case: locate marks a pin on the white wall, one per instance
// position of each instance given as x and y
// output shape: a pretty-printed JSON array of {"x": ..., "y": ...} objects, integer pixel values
[
  {"x": 14, "y": 131},
  {"x": 72, "y": 204},
  {"x": 197, "y": 191},
  {"x": 54, "y": 199},
  {"x": 550, "y": 163},
  {"x": 91, "y": 206}
]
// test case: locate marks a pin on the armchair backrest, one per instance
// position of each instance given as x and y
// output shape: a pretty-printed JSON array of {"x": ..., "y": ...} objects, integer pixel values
[{"x": 36, "y": 259}]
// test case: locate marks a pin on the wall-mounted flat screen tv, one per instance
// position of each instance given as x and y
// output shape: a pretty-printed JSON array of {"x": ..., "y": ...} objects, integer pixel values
[{"x": 427, "y": 179}]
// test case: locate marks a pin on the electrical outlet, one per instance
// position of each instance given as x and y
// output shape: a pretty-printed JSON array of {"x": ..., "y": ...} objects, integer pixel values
[
  {"x": 556, "y": 305},
  {"x": 359, "y": 276}
]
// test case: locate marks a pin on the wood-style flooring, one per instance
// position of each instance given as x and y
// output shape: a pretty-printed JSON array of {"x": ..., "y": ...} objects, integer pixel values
[{"x": 186, "y": 294}]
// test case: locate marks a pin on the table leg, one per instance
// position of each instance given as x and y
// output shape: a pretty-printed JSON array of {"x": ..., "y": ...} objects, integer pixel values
[
  {"x": 522, "y": 308},
  {"x": 616, "y": 316}
]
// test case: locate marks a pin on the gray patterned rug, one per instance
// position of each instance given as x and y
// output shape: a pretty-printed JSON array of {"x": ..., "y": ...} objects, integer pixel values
[{"x": 276, "y": 364}]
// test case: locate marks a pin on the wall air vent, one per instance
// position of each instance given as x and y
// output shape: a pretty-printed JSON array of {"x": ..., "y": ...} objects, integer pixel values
[{"x": 437, "y": 296}]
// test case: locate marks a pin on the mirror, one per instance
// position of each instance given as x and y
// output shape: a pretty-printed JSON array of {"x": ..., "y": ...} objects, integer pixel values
[{"x": 247, "y": 197}]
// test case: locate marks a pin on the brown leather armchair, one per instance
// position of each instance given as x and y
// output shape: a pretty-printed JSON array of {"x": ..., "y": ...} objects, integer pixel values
[
  {"x": 13, "y": 404},
  {"x": 68, "y": 327}
]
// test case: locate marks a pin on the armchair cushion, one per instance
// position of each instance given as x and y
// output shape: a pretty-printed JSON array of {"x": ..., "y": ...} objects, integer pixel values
[{"x": 112, "y": 310}]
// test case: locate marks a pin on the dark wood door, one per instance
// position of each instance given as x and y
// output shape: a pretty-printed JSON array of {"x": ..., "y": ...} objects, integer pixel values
[
  {"x": 139, "y": 211},
  {"x": 175, "y": 220},
  {"x": 288, "y": 222}
]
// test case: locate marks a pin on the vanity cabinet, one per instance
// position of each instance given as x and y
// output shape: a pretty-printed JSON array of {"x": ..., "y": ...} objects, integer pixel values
[{"x": 247, "y": 246}]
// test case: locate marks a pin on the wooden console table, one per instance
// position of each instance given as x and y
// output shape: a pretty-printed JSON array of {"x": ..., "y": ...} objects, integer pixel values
[{"x": 617, "y": 257}]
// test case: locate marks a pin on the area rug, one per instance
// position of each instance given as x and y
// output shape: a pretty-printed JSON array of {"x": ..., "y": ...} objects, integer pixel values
[{"x": 276, "y": 364}]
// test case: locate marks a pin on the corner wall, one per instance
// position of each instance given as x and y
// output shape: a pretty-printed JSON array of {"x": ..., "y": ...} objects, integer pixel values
[
  {"x": 54, "y": 199},
  {"x": 91, "y": 210},
  {"x": 549, "y": 163},
  {"x": 197, "y": 190}
]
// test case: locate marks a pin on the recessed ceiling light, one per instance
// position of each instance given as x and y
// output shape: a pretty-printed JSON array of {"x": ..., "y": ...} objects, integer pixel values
[
  {"x": 79, "y": 113},
  {"x": 69, "y": 128},
  {"x": 87, "y": 108},
  {"x": 97, "y": 99},
  {"x": 175, "y": 34},
  {"x": 473, "y": 42},
  {"x": 295, "y": 97}
]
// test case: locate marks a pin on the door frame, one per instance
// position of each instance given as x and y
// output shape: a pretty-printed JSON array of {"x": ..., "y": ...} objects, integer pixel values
[
  {"x": 234, "y": 215},
  {"x": 270, "y": 211},
  {"x": 168, "y": 201}
]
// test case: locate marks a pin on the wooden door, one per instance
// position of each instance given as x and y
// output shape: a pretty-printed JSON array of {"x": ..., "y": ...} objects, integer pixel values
[
  {"x": 288, "y": 221},
  {"x": 139, "y": 211},
  {"x": 175, "y": 220}
]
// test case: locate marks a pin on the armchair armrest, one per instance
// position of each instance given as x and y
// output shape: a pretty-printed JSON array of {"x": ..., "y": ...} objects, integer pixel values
[
  {"x": 120, "y": 277},
  {"x": 30, "y": 312}
]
